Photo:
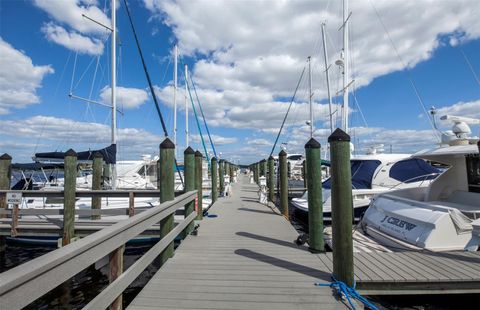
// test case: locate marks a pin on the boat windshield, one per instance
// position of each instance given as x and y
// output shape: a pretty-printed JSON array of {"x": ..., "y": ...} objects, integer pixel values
[
  {"x": 413, "y": 170},
  {"x": 294, "y": 157},
  {"x": 362, "y": 174}
]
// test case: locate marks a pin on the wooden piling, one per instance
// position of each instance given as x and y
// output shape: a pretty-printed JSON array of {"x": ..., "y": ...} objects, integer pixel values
[
  {"x": 69, "y": 188},
  {"x": 232, "y": 170},
  {"x": 315, "y": 204},
  {"x": 271, "y": 178},
  {"x": 131, "y": 204},
  {"x": 5, "y": 176},
  {"x": 342, "y": 206},
  {"x": 199, "y": 183},
  {"x": 282, "y": 167},
  {"x": 167, "y": 192},
  {"x": 115, "y": 270},
  {"x": 213, "y": 168},
  {"x": 221, "y": 176},
  {"x": 97, "y": 183},
  {"x": 189, "y": 176}
]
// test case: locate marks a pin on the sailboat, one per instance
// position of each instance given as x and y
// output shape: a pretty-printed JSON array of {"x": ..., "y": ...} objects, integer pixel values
[{"x": 373, "y": 173}]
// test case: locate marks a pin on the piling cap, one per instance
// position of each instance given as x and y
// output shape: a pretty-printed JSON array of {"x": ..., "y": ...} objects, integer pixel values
[
  {"x": 221, "y": 161},
  {"x": 167, "y": 144},
  {"x": 282, "y": 153},
  {"x": 263, "y": 160},
  {"x": 271, "y": 158},
  {"x": 312, "y": 144},
  {"x": 6, "y": 157},
  {"x": 70, "y": 152},
  {"x": 198, "y": 154},
  {"x": 189, "y": 151},
  {"x": 97, "y": 155},
  {"x": 339, "y": 135},
  {"x": 214, "y": 159}
]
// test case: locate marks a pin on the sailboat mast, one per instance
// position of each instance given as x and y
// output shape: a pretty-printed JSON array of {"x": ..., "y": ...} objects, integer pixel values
[
  {"x": 114, "y": 86},
  {"x": 310, "y": 95},
  {"x": 175, "y": 62},
  {"x": 345, "y": 66},
  {"x": 325, "y": 54},
  {"x": 186, "y": 105}
]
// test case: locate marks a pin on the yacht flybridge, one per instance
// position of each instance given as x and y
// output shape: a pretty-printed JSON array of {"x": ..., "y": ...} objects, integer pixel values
[{"x": 444, "y": 216}]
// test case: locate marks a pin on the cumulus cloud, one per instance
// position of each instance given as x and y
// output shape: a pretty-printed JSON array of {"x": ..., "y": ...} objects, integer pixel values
[
  {"x": 466, "y": 109},
  {"x": 72, "y": 40},
  {"x": 70, "y": 12},
  {"x": 127, "y": 98},
  {"x": 248, "y": 70},
  {"x": 19, "y": 78},
  {"x": 217, "y": 139},
  {"x": 261, "y": 142}
]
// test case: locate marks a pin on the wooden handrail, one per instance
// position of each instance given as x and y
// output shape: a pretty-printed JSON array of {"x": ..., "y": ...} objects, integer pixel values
[{"x": 23, "y": 284}]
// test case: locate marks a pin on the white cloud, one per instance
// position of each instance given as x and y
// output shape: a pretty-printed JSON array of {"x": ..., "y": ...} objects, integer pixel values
[
  {"x": 19, "y": 78},
  {"x": 217, "y": 140},
  {"x": 70, "y": 12},
  {"x": 259, "y": 142},
  {"x": 127, "y": 98},
  {"x": 72, "y": 40},
  {"x": 246, "y": 70},
  {"x": 465, "y": 109}
]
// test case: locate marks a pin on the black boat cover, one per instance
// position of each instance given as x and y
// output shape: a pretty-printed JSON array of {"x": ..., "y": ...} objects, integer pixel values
[{"x": 109, "y": 155}]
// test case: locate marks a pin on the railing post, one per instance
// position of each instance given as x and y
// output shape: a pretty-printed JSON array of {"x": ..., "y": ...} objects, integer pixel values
[
  {"x": 271, "y": 178},
  {"x": 342, "y": 206},
  {"x": 131, "y": 204},
  {"x": 5, "y": 175},
  {"x": 199, "y": 183},
  {"x": 282, "y": 166},
  {"x": 97, "y": 183},
  {"x": 305, "y": 173},
  {"x": 189, "y": 174},
  {"x": 214, "y": 173},
  {"x": 314, "y": 187},
  {"x": 221, "y": 176},
  {"x": 167, "y": 192},
  {"x": 115, "y": 270},
  {"x": 69, "y": 188}
]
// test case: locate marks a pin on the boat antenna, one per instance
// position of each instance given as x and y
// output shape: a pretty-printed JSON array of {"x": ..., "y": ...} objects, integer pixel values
[
  {"x": 345, "y": 66},
  {"x": 114, "y": 87},
  {"x": 310, "y": 122}
]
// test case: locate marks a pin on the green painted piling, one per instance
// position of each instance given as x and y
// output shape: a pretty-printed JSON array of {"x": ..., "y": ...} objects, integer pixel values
[
  {"x": 271, "y": 178},
  {"x": 232, "y": 170},
  {"x": 315, "y": 205},
  {"x": 221, "y": 176},
  {"x": 5, "y": 175},
  {"x": 199, "y": 183},
  {"x": 167, "y": 192},
  {"x": 189, "y": 174},
  {"x": 213, "y": 168},
  {"x": 69, "y": 188},
  {"x": 342, "y": 206},
  {"x": 282, "y": 166},
  {"x": 255, "y": 172},
  {"x": 97, "y": 183}
]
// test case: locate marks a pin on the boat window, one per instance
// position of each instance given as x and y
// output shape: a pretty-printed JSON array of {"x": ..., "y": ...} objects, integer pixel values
[
  {"x": 294, "y": 157},
  {"x": 473, "y": 173},
  {"x": 413, "y": 170},
  {"x": 362, "y": 174}
]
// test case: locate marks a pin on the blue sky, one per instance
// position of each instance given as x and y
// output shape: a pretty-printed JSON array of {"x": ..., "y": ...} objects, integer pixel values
[{"x": 245, "y": 58}]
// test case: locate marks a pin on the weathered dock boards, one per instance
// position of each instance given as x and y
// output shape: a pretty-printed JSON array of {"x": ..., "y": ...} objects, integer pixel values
[
  {"x": 243, "y": 259},
  {"x": 414, "y": 272}
]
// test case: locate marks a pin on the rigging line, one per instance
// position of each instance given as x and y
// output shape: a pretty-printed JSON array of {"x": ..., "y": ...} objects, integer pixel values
[
  {"x": 288, "y": 110},
  {"x": 470, "y": 66},
  {"x": 407, "y": 71},
  {"x": 203, "y": 116},
  {"x": 198, "y": 123},
  {"x": 164, "y": 127},
  {"x": 73, "y": 73},
  {"x": 157, "y": 106}
]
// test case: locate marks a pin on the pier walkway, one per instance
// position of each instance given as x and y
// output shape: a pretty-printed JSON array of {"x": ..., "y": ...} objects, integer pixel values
[{"x": 244, "y": 258}]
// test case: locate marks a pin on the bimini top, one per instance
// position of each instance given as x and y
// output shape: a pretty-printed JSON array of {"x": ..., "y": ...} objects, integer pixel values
[{"x": 109, "y": 155}]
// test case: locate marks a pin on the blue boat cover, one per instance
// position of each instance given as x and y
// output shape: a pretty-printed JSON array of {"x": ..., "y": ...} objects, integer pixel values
[
  {"x": 109, "y": 155},
  {"x": 362, "y": 174},
  {"x": 413, "y": 170}
]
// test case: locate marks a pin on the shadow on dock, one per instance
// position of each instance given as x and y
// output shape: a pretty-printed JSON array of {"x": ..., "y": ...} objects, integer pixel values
[
  {"x": 305, "y": 270},
  {"x": 271, "y": 240},
  {"x": 257, "y": 211}
]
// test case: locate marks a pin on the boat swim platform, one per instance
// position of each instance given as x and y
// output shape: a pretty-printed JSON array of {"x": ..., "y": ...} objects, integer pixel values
[{"x": 245, "y": 257}]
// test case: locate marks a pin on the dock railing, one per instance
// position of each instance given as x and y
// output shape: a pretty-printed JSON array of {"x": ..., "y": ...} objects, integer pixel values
[{"x": 24, "y": 284}]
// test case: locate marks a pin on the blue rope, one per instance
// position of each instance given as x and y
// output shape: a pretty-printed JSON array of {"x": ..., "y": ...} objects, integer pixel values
[{"x": 344, "y": 289}]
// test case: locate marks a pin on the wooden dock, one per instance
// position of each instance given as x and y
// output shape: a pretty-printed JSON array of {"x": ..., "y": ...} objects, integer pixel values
[{"x": 244, "y": 258}]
